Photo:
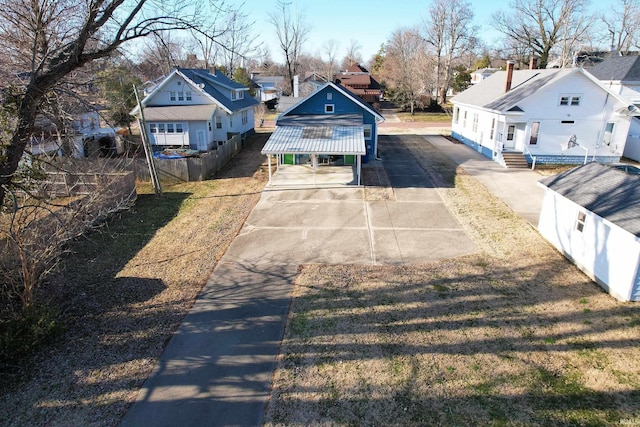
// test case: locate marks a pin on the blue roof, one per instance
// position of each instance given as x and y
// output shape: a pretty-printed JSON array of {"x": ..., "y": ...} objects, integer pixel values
[{"x": 211, "y": 80}]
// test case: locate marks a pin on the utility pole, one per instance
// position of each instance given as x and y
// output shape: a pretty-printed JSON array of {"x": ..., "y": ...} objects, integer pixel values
[{"x": 146, "y": 144}]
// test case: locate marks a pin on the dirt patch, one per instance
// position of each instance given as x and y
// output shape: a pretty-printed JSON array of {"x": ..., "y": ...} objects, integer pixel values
[
  {"x": 125, "y": 291},
  {"x": 514, "y": 335},
  {"x": 376, "y": 183}
]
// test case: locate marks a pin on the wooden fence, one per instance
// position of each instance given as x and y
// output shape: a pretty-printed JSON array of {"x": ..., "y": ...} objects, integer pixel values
[{"x": 190, "y": 168}]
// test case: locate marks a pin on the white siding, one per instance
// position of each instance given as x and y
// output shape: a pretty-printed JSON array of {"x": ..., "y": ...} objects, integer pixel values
[
  {"x": 604, "y": 251},
  {"x": 178, "y": 84}
]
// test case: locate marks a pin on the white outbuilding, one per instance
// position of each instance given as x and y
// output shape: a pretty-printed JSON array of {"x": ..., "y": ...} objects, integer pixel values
[{"x": 592, "y": 215}]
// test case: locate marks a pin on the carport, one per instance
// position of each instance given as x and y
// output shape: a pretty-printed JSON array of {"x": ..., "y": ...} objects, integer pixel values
[{"x": 317, "y": 140}]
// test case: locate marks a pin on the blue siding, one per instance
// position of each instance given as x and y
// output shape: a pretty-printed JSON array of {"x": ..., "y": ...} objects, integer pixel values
[{"x": 342, "y": 105}]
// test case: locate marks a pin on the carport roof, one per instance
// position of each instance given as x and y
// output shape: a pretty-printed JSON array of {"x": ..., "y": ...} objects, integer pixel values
[{"x": 316, "y": 139}]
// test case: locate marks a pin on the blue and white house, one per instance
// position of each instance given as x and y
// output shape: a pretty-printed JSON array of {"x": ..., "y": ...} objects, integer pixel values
[
  {"x": 331, "y": 126},
  {"x": 556, "y": 116},
  {"x": 196, "y": 109},
  {"x": 590, "y": 214}
]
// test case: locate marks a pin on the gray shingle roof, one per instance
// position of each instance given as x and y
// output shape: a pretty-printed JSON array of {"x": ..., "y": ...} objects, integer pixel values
[
  {"x": 210, "y": 81},
  {"x": 608, "y": 192},
  {"x": 618, "y": 68},
  {"x": 490, "y": 92},
  {"x": 179, "y": 112}
]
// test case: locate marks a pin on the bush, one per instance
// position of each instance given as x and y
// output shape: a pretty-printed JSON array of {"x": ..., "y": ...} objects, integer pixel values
[{"x": 23, "y": 336}]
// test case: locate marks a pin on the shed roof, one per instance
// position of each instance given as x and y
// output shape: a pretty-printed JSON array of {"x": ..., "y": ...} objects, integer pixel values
[
  {"x": 180, "y": 112},
  {"x": 604, "y": 190},
  {"x": 319, "y": 139}
]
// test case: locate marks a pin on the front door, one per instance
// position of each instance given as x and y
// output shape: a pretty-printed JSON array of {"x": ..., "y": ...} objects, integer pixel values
[
  {"x": 202, "y": 142},
  {"x": 510, "y": 137}
]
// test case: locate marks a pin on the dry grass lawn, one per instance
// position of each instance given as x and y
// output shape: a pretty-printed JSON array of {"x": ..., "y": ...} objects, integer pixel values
[
  {"x": 124, "y": 292},
  {"x": 511, "y": 336}
]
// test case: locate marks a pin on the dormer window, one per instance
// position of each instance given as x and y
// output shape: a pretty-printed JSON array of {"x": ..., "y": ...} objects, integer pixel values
[
  {"x": 233, "y": 95},
  {"x": 240, "y": 95}
]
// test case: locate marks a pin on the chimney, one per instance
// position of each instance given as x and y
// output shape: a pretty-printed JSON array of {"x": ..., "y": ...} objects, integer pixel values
[
  {"x": 533, "y": 63},
  {"x": 507, "y": 86}
]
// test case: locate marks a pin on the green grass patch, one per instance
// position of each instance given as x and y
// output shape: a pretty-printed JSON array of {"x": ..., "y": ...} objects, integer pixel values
[{"x": 424, "y": 117}]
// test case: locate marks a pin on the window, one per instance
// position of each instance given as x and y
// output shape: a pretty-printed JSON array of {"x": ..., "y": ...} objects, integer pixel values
[
  {"x": 535, "y": 129},
  {"x": 572, "y": 100},
  {"x": 475, "y": 122},
  {"x": 493, "y": 127},
  {"x": 511, "y": 130},
  {"x": 188, "y": 95},
  {"x": 218, "y": 122},
  {"x": 456, "y": 115},
  {"x": 166, "y": 127},
  {"x": 245, "y": 117},
  {"x": 172, "y": 96},
  {"x": 209, "y": 123},
  {"x": 241, "y": 95},
  {"x": 367, "y": 131},
  {"x": 230, "y": 121},
  {"x": 329, "y": 96},
  {"x": 464, "y": 120},
  {"x": 608, "y": 133},
  {"x": 328, "y": 108},
  {"x": 233, "y": 95},
  {"x": 580, "y": 221},
  {"x": 180, "y": 96}
]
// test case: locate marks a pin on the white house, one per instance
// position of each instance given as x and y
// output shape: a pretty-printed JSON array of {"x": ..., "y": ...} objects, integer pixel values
[
  {"x": 481, "y": 74},
  {"x": 621, "y": 74},
  {"x": 590, "y": 214},
  {"x": 196, "y": 109},
  {"x": 560, "y": 116}
]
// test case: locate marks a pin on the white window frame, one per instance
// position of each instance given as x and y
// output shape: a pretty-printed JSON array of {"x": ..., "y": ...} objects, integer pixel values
[
  {"x": 570, "y": 100},
  {"x": 245, "y": 117},
  {"x": 456, "y": 115},
  {"x": 329, "y": 96},
  {"x": 181, "y": 96},
  {"x": 233, "y": 95},
  {"x": 474, "y": 127},
  {"x": 464, "y": 119},
  {"x": 167, "y": 128},
  {"x": 511, "y": 132},
  {"x": 580, "y": 221},
  {"x": 329, "y": 108},
  {"x": 172, "y": 96},
  {"x": 188, "y": 95},
  {"x": 218, "y": 120}
]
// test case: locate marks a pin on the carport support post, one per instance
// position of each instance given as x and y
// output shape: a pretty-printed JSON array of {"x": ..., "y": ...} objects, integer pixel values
[{"x": 358, "y": 166}]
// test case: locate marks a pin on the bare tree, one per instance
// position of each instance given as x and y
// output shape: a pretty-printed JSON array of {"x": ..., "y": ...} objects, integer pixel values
[
  {"x": 330, "y": 52},
  {"x": 405, "y": 68},
  {"x": 45, "y": 41},
  {"x": 353, "y": 55},
  {"x": 292, "y": 32},
  {"x": 448, "y": 30},
  {"x": 622, "y": 25},
  {"x": 543, "y": 25},
  {"x": 237, "y": 40}
]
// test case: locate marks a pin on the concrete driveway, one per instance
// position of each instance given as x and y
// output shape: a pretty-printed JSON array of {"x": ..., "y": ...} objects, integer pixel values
[
  {"x": 217, "y": 368},
  {"x": 339, "y": 226}
]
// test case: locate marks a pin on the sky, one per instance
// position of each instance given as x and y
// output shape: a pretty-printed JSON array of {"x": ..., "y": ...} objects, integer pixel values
[{"x": 370, "y": 22}]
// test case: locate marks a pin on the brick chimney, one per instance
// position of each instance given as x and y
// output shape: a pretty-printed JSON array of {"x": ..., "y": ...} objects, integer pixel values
[
  {"x": 507, "y": 86},
  {"x": 533, "y": 63}
]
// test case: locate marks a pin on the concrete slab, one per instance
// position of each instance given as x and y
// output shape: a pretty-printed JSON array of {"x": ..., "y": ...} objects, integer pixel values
[
  {"x": 344, "y": 214},
  {"x": 300, "y": 194},
  {"x": 398, "y": 247},
  {"x": 423, "y": 194},
  {"x": 292, "y": 176},
  {"x": 411, "y": 215},
  {"x": 302, "y": 246}
]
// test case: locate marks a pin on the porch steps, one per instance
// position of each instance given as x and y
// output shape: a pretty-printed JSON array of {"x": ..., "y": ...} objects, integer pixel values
[{"x": 515, "y": 160}]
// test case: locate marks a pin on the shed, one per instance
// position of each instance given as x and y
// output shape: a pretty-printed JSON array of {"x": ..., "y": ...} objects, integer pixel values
[{"x": 590, "y": 214}]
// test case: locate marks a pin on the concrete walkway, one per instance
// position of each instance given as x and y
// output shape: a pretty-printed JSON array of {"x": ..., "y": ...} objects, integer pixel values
[{"x": 217, "y": 369}]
